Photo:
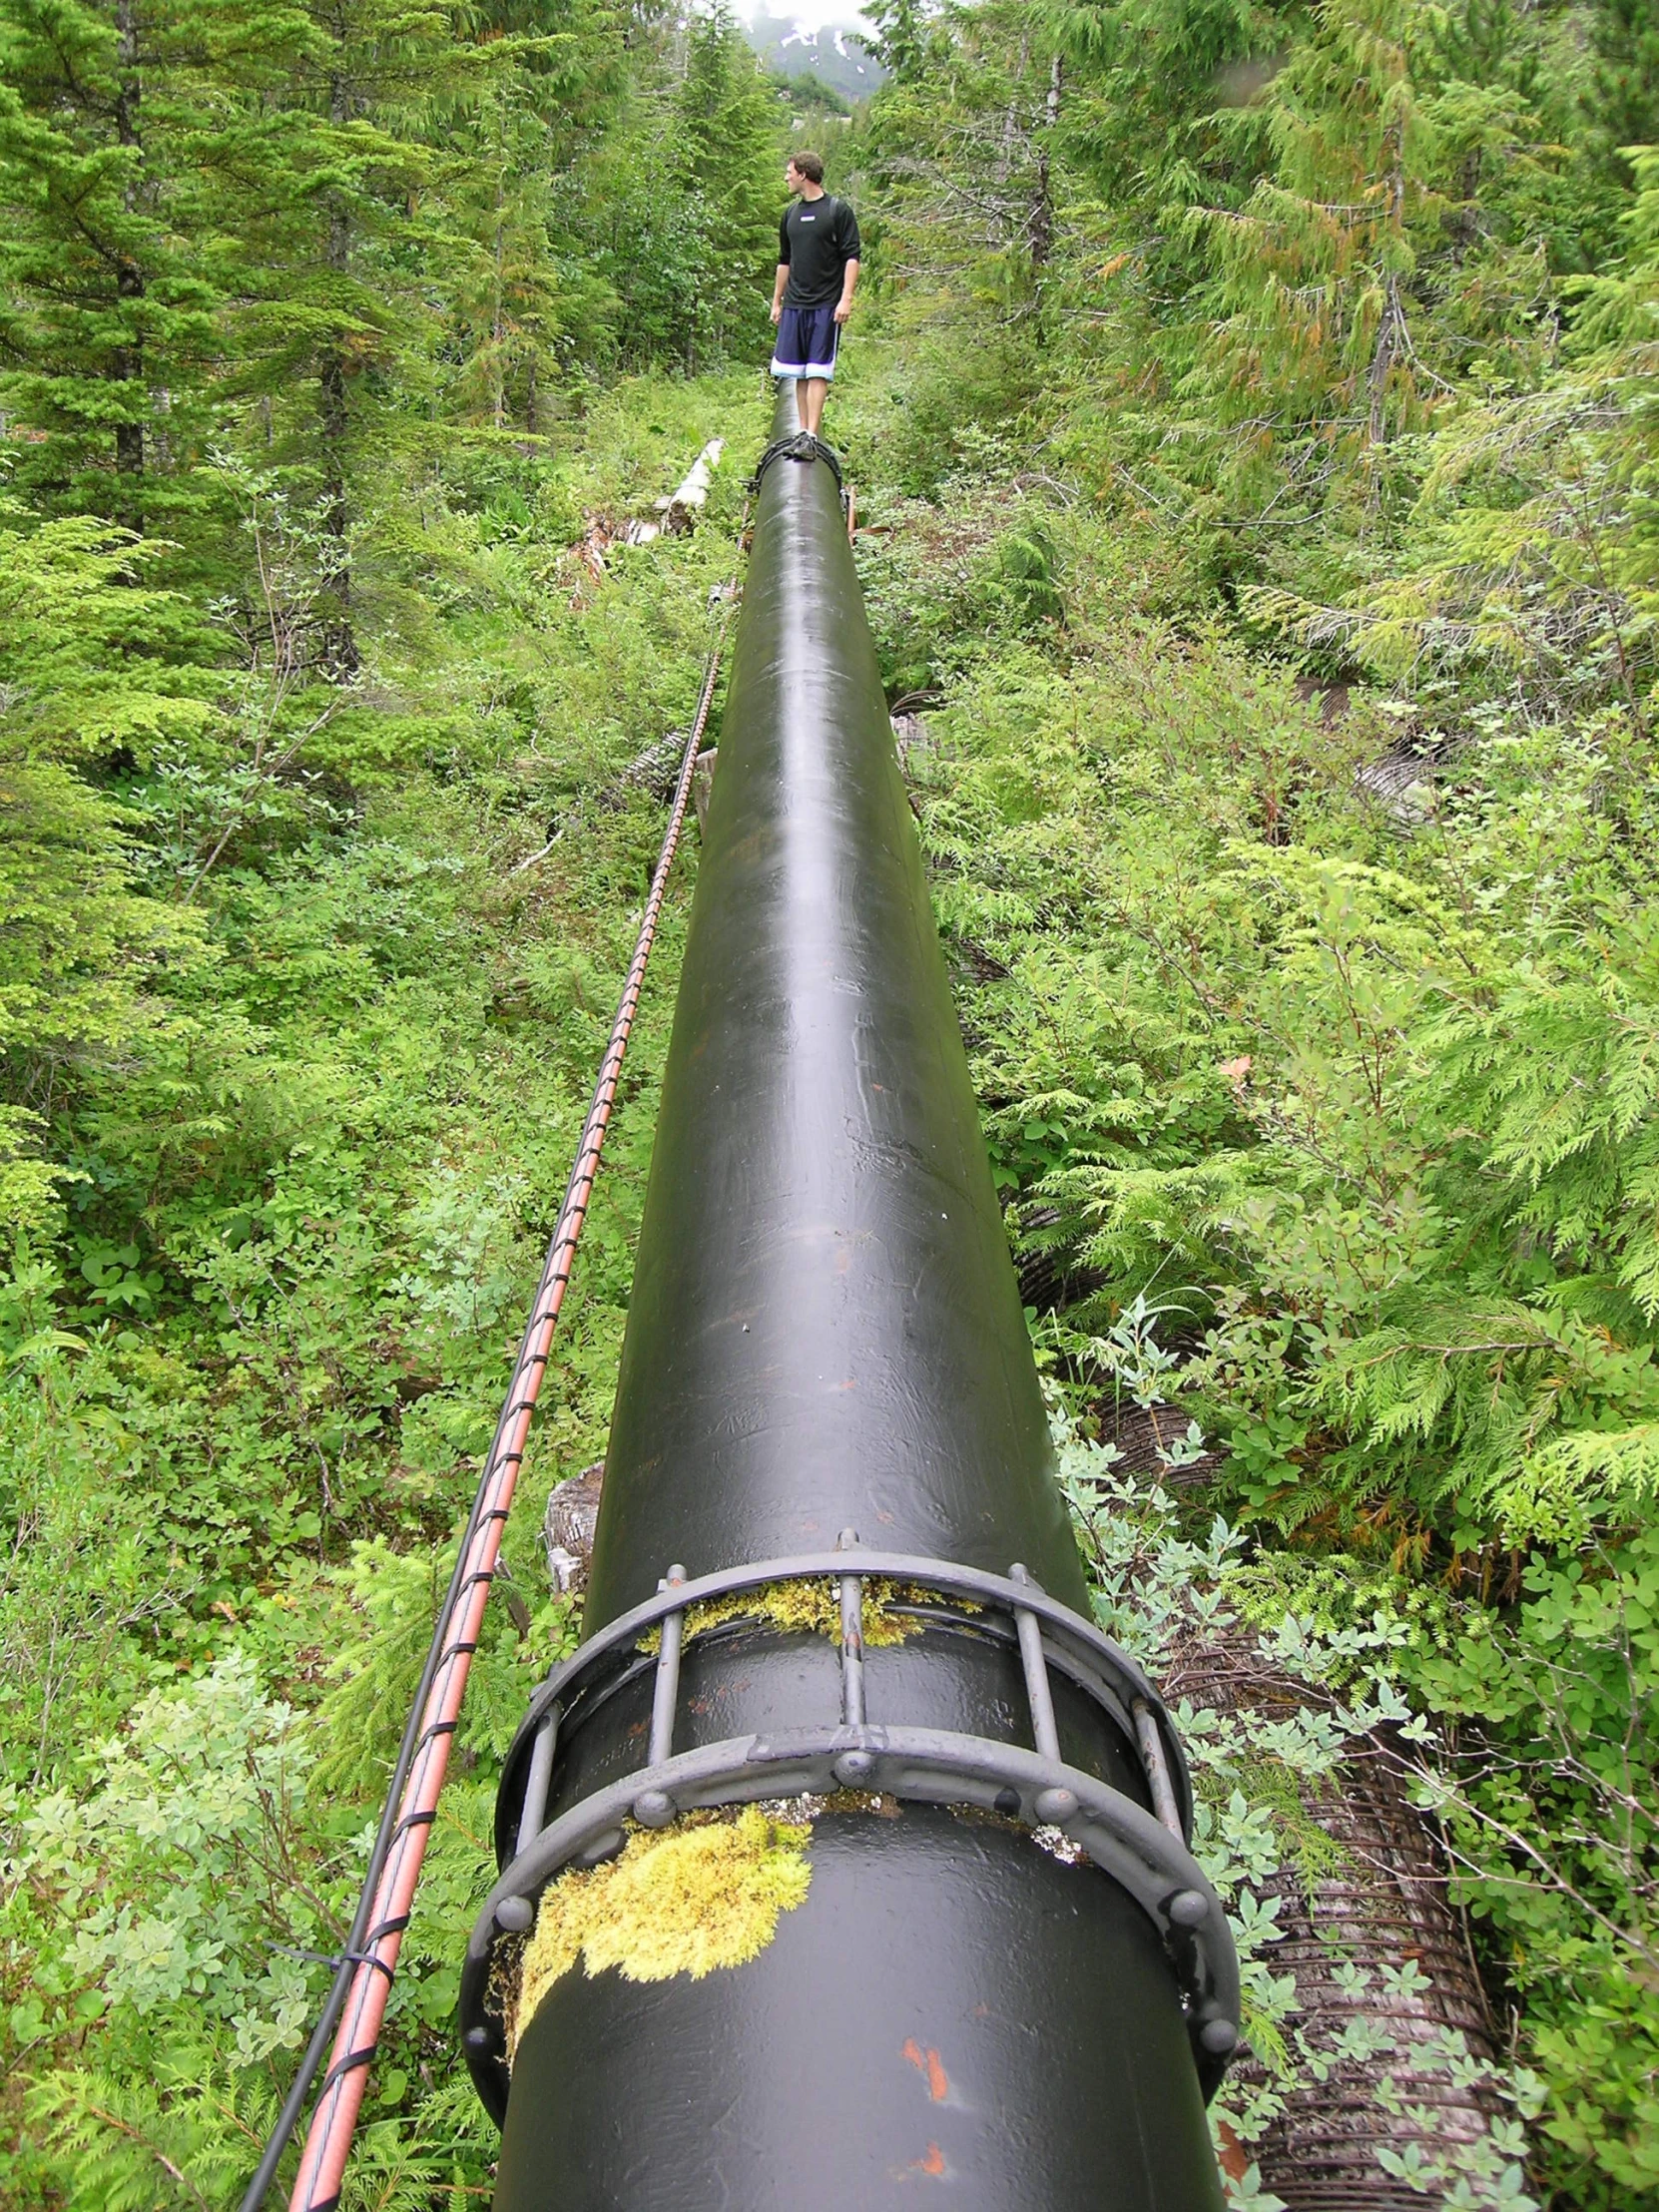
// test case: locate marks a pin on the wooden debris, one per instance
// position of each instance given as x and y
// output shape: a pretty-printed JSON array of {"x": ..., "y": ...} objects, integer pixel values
[
  {"x": 675, "y": 514},
  {"x": 703, "y": 783},
  {"x": 683, "y": 505},
  {"x": 1378, "y": 1900},
  {"x": 1403, "y": 784},
  {"x": 568, "y": 1526}
]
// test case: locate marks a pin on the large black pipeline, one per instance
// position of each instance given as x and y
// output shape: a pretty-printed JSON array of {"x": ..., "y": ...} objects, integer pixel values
[{"x": 1007, "y": 1976}]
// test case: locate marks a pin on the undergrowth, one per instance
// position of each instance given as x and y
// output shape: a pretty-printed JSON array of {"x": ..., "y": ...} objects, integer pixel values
[{"x": 1251, "y": 415}]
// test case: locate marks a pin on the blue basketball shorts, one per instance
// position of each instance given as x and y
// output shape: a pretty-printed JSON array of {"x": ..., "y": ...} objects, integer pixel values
[{"x": 805, "y": 343}]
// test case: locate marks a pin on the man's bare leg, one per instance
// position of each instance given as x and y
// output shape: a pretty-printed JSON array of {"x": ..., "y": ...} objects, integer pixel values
[{"x": 810, "y": 393}]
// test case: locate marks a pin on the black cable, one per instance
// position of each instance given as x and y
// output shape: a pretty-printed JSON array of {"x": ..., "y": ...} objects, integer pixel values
[{"x": 328, "y": 2019}]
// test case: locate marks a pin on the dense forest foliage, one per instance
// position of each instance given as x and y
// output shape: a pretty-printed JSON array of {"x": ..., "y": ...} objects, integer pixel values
[{"x": 1251, "y": 409}]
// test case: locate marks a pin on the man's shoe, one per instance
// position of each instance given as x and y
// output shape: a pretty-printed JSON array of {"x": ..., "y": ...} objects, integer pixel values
[{"x": 805, "y": 446}]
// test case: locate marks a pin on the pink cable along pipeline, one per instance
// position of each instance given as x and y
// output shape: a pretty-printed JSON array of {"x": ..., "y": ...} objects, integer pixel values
[{"x": 329, "y": 2141}]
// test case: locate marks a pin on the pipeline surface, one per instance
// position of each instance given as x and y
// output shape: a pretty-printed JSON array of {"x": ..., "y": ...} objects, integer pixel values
[{"x": 1005, "y": 1977}]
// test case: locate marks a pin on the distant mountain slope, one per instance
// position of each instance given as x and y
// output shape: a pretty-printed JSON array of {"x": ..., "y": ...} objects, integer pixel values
[{"x": 835, "y": 56}]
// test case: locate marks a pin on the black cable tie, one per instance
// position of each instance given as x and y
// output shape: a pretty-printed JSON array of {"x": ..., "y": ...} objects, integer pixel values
[
  {"x": 353, "y": 2062},
  {"x": 334, "y": 1958}
]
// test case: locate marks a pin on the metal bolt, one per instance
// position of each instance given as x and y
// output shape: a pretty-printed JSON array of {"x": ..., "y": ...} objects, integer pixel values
[
  {"x": 653, "y": 1808},
  {"x": 514, "y": 1914},
  {"x": 1055, "y": 1805},
  {"x": 1188, "y": 1907},
  {"x": 478, "y": 2038},
  {"x": 1218, "y": 2038},
  {"x": 853, "y": 1767},
  {"x": 602, "y": 1847}
]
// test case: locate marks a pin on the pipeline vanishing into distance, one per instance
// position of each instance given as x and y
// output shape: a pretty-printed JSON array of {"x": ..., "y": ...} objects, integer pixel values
[{"x": 847, "y": 1860}]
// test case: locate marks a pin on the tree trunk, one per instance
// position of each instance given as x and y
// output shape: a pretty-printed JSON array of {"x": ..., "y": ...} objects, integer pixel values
[
  {"x": 338, "y": 644},
  {"x": 1467, "y": 223},
  {"x": 1390, "y": 331},
  {"x": 1041, "y": 227},
  {"x": 127, "y": 360},
  {"x": 1010, "y": 122},
  {"x": 498, "y": 326}
]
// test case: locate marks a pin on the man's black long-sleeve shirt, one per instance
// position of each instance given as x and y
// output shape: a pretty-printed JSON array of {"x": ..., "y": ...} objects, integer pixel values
[{"x": 816, "y": 238}]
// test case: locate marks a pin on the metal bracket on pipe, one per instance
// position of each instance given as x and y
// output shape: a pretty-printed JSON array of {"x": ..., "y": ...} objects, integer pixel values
[
  {"x": 801, "y": 445},
  {"x": 1144, "y": 1852}
]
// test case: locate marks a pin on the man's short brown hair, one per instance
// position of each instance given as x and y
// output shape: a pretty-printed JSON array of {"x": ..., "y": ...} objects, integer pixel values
[{"x": 810, "y": 166}]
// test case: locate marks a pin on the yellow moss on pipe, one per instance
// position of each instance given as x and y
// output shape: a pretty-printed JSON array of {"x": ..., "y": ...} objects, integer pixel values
[
  {"x": 705, "y": 1893},
  {"x": 811, "y": 1606}
]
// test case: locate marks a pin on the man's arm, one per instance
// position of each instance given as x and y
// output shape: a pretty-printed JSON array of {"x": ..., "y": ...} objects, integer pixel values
[
  {"x": 851, "y": 245},
  {"x": 778, "y": 290}
]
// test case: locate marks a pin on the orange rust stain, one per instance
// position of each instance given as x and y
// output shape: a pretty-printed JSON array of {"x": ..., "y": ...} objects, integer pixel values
[
  {"x": 928, "y": 2066},
  {"x": 1234, "y": 2159},
  {"x": 931, "y": 2162}
]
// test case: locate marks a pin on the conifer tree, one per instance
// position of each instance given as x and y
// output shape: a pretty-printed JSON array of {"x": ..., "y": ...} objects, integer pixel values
[
  {"x": 725, "y": 123},
  {"x": 107, "y": 305},
  {"x": 901, "y": 37},
  {"x": 335, "y": 308},
  {"x": 506, "y": 317},
  {"x": 506, "y": 150},
  {"x": 1623, "y": 98}
]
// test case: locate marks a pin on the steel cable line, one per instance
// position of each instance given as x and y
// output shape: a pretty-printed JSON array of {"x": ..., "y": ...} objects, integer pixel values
[{"x": 362, "y": 1983}]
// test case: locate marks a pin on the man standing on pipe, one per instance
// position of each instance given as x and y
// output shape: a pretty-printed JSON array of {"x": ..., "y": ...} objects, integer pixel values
[{"x": 818, "y": 271}]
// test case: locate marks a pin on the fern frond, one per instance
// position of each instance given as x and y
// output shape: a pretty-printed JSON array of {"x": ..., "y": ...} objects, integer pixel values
[
  {"x": 1587, "y": 1477},
  {"x": 129, "y": 2145}
]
